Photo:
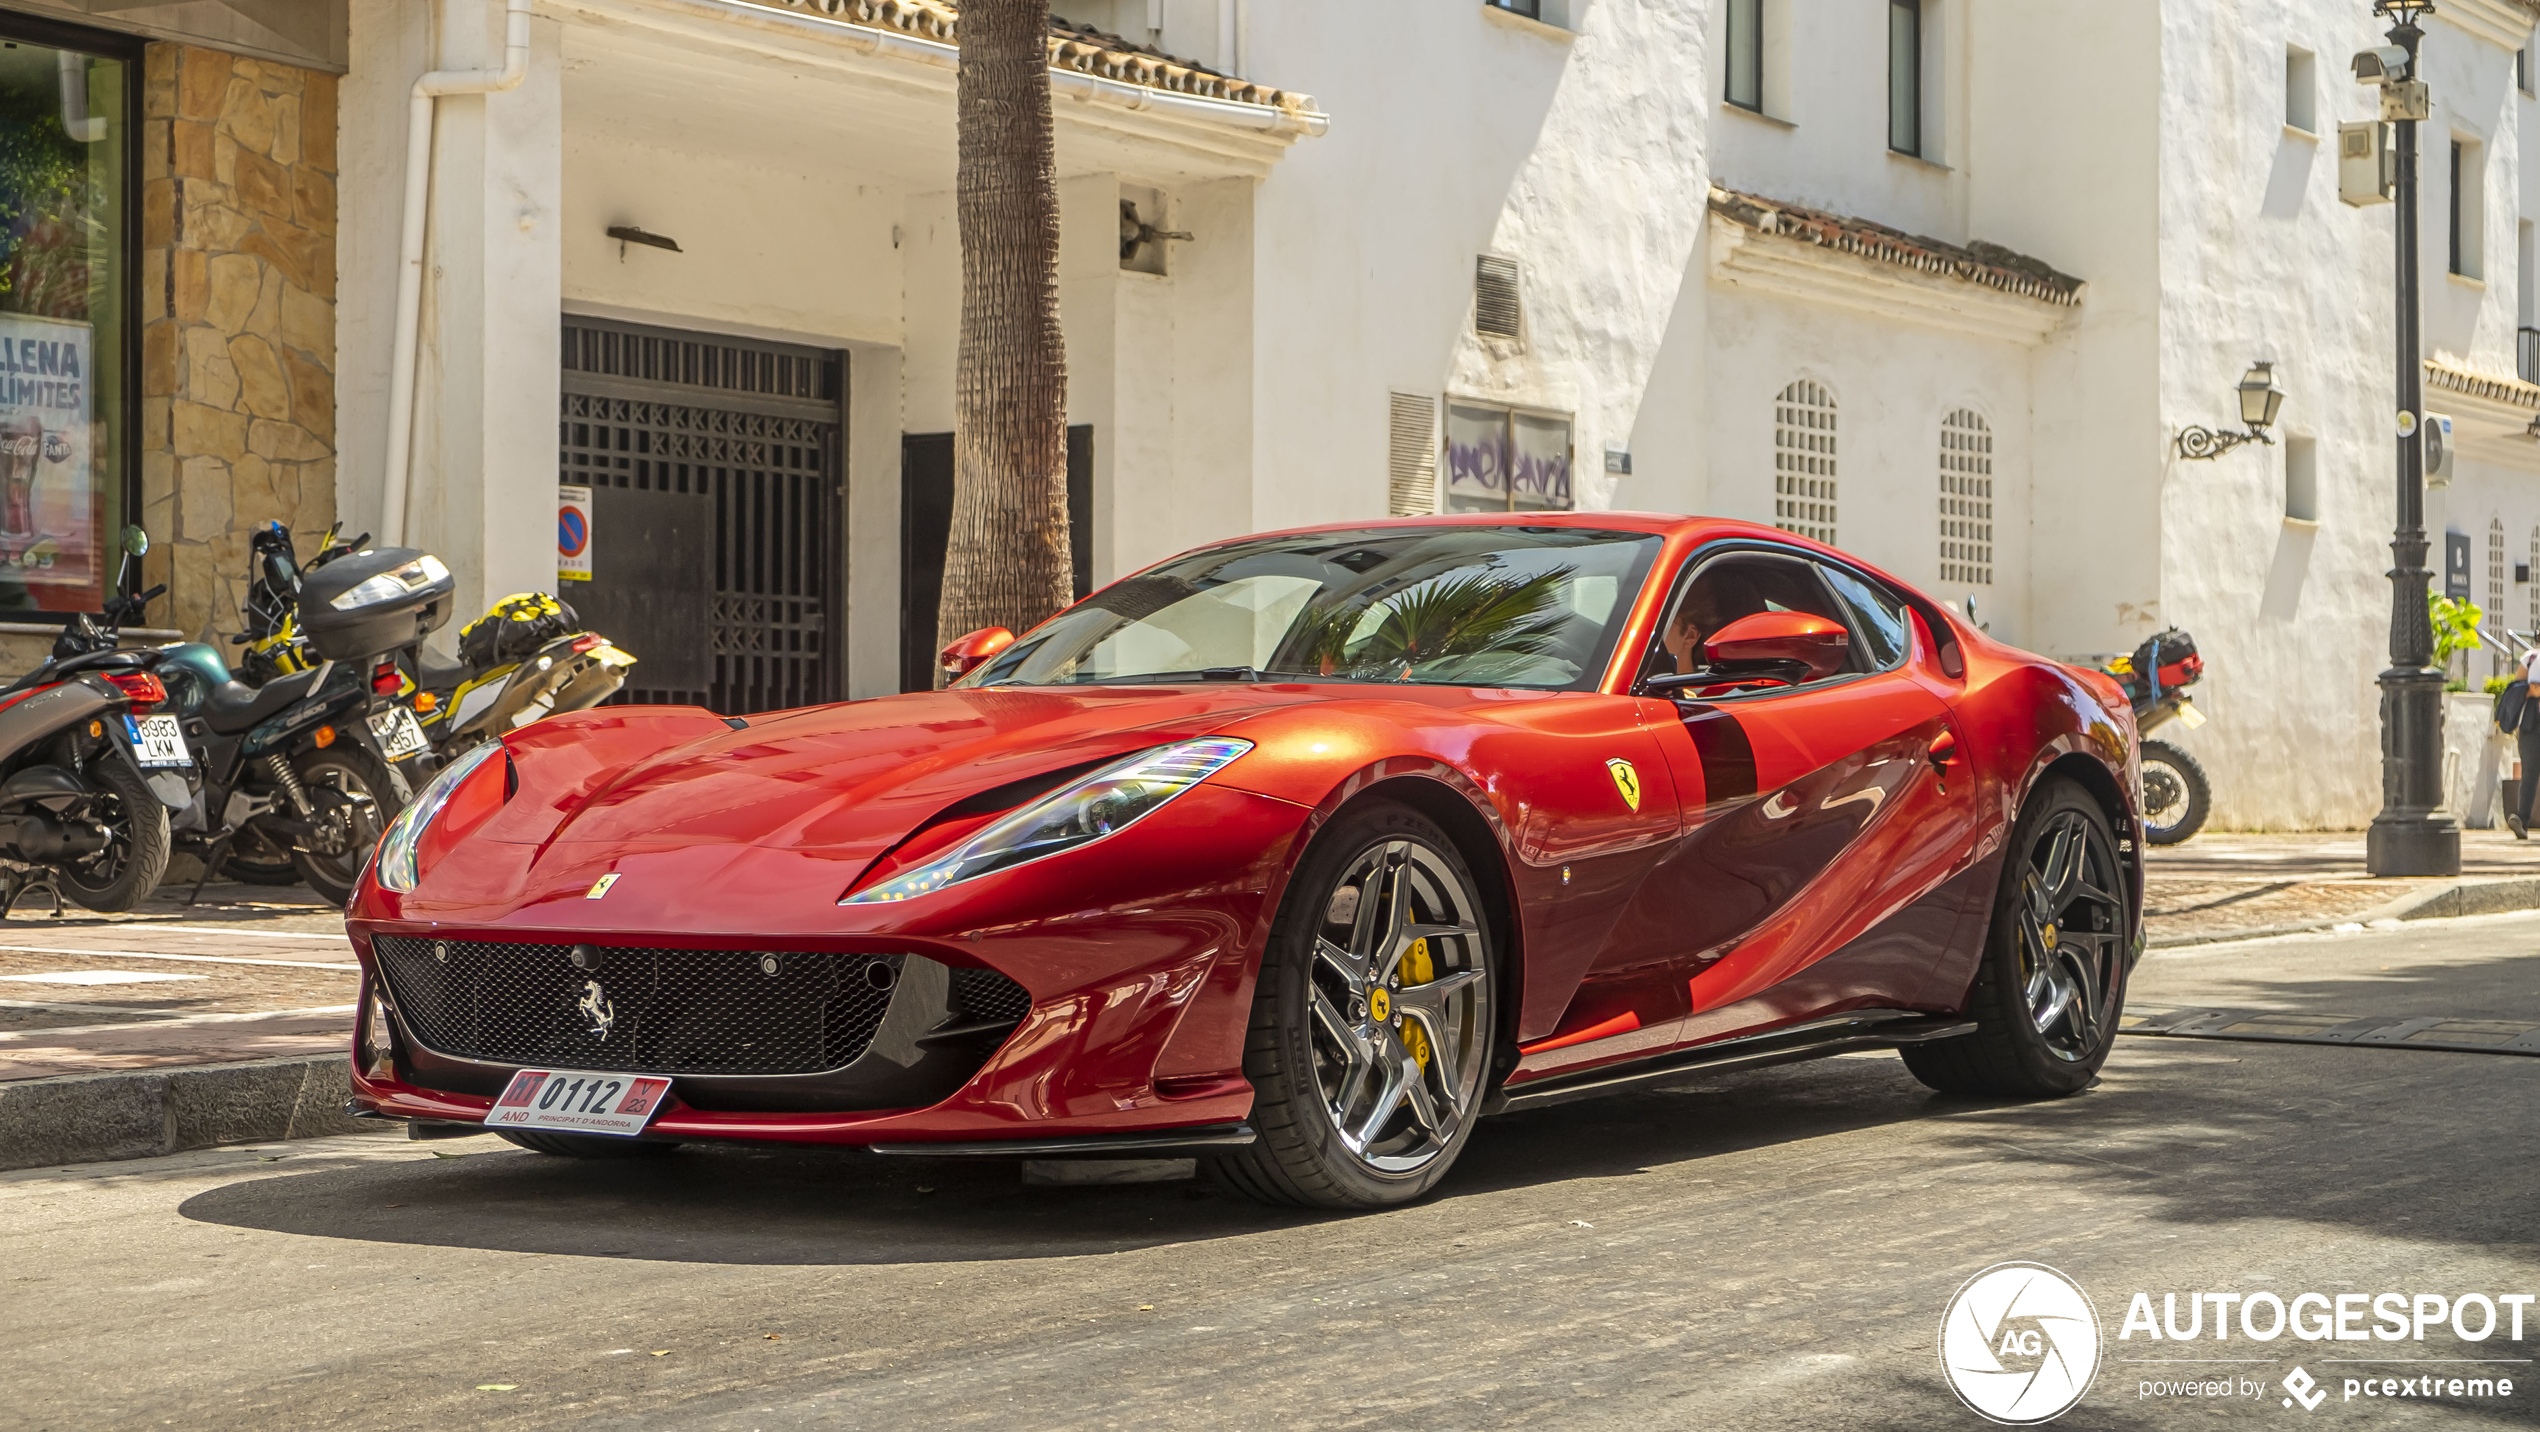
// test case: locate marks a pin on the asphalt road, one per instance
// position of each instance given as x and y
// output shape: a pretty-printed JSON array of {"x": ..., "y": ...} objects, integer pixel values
[{"x": 1764, "y": 1249}]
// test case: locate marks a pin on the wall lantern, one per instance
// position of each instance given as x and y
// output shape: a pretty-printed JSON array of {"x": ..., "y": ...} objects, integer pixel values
[{"x": 2260, "y": 399}]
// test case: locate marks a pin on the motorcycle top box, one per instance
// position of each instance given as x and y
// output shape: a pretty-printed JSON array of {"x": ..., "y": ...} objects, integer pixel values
[{"x": 366, "y": 603}]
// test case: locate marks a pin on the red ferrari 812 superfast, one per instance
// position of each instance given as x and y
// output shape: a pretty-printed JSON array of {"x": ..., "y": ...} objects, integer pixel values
[{"x": 1299, "y": 854}]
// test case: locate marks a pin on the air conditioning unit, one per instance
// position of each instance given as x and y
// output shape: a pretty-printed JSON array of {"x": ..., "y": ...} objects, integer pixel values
[{"x": 2437, "y": 443}]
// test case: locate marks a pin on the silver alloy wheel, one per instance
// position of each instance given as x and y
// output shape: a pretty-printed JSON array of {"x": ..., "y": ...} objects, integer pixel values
[
  {"x": 1399, "y": 996},
  {"x": 2069, "y": 919}
]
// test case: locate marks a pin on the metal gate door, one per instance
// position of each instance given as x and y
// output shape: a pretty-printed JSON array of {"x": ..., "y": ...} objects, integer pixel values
[{"x": 716, "y": 536}]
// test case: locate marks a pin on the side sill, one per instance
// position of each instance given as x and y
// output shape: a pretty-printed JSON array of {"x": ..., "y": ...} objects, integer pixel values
[{"x": 1870, "y": 1029}]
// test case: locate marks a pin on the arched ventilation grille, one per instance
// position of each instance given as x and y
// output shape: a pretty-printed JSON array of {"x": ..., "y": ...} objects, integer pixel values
[{"x": 1804, "y": 461}]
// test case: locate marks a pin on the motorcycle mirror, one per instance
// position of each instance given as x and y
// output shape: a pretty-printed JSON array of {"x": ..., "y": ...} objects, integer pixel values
[{"x": 136, "y": 541}]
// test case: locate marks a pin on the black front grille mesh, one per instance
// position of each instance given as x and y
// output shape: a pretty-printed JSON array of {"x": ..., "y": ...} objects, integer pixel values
[
  {"x": 986, "y": 997},
  {"x": 666, "y": 1011}
]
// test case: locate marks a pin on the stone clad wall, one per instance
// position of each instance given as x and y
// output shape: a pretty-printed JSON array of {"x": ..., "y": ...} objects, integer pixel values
[{"x": 238, "y": 310}]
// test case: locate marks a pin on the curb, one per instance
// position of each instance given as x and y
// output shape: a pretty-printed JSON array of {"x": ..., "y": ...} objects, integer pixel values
[
  {"x": 2435, "y": 902},
  {"x": 143, "y": 1113}
]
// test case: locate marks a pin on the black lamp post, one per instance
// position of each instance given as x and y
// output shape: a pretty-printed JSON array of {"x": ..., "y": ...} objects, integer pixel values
[{"x": 2411, "y": 836}]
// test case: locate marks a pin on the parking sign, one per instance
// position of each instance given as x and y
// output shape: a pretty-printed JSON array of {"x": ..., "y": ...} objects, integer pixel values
[{"x": 573, "y": 533}]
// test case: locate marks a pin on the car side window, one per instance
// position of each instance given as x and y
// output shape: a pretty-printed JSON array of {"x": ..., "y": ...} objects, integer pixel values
[
  {"x": 1879, "y": 631},
  {"x": 1741, "y": 584}
]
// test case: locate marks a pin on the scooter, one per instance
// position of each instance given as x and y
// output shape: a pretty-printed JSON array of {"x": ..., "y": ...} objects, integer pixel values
[
  {"x": 90, "y": 766},
  {"x": 2176, "y": 795}
]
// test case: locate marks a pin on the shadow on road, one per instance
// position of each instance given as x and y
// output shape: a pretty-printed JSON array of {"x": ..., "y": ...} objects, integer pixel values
[
  {"x": 758, "y": 1206},
  {"x": 2161, "y": 1130}
]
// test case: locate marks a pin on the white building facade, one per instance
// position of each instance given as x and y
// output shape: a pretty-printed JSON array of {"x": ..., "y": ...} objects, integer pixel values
[{"x": 1940, "y": 281}]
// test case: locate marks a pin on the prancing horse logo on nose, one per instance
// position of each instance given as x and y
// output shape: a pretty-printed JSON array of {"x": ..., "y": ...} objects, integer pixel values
[{"x": 595, "y": 1008}]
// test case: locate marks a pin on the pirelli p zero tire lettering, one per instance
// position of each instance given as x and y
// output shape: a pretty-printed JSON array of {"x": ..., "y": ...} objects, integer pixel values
[
  {"x": 1372, "y": 1024},
  {"x": 2052, "y": 982}
]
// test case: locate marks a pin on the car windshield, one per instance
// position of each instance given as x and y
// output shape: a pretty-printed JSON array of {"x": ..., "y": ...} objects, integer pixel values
[{"x": 1435, "y": 606}]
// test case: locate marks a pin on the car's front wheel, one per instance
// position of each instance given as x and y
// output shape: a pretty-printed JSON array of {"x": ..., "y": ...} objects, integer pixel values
[
  {"x": 2052, "y": 982},
  {"x": 1372, "y": 1026}
]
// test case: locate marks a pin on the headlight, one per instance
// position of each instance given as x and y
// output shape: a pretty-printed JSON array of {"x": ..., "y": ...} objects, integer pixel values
[
  {"x": 396, "y": 860},
  {"x": 1104, "y": 803},
  {"x": 388, "y": 586}
]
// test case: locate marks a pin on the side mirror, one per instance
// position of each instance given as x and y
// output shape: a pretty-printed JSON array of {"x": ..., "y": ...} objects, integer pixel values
[
  {"x": 1795, "y": 645},
  {"x": 136, "y": 541},
  {"x": 971, "y": 652}
]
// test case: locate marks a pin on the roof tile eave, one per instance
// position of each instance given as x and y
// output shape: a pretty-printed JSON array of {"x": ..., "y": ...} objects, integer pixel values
[
  {"x": 2495, "y": 387},
  {"x": 1071, "y": 47},
  {"x": 1987, "y": 265}
]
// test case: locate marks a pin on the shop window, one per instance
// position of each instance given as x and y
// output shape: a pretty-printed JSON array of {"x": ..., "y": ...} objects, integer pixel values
[
  {"x": 1506, "y": 459},
  {"x": 1804, "y": 461},
  {"x": 68, "y": 367}
]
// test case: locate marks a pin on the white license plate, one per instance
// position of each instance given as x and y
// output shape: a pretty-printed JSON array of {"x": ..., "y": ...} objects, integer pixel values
[
  {"x": 156, "y": 741},
  {"x": 578, "y": 1102},
  {"x": 399, "y": 733}
]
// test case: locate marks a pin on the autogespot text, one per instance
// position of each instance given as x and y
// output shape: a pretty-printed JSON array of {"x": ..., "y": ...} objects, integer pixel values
[{"x": 2470, "y": 1319}]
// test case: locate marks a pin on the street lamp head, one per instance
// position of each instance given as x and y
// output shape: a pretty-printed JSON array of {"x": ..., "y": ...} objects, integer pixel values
[
  {"x": 2260, "y": 398},
  {"x": 2403, "y": 12}
]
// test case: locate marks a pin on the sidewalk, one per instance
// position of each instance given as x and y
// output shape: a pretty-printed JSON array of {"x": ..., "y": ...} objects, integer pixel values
[
  {"x": 251, "y": 972},
  {"x": 2227, "y": 883}
]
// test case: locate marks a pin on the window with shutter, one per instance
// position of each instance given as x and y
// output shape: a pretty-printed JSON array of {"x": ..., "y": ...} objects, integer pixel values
[
  {"x": 1804, "y": 461},
  {"x": 1966, "y": 499},
  {"x": 1411, "y": 457},
  {"x": 2494, "y": 616},
  {"x": 1496, "y": 309}
]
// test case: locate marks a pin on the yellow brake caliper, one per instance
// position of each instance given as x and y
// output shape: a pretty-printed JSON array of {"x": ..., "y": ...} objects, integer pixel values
[{"x": 1417, "y": 969}]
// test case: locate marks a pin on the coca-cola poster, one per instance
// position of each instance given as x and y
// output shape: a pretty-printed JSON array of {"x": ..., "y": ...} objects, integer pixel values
[{"x": 48, "y": 505}]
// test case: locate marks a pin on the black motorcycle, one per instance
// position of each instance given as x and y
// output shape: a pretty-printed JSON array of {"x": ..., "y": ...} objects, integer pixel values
[
  {"x": 302, "y": 773},
  {"x": 90, "y": 765},
  {"x": 2176, "y": 795},
  {"x": 527, "y": 657}
]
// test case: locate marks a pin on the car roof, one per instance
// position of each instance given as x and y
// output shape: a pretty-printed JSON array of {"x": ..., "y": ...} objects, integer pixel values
[{"x": 1666, "y": 524}]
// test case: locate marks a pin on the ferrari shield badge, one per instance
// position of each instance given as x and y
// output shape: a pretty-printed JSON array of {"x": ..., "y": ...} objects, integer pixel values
[
  {"x": 1626, "y": 780},
  {"x": 601, "y": 886}
]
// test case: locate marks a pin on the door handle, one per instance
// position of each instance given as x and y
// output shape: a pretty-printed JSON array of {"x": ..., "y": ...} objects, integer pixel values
[{"x": 1944, "y": 749}]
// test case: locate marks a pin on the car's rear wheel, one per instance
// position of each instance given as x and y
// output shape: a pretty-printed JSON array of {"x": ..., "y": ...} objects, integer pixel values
[
  {"x": 2052, "y": 982},
  {"x": 586, "y": 1146},
  {"x": 1372, "y": 1026}
]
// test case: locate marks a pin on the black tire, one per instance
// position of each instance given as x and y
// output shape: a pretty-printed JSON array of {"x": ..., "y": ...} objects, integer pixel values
[
  {"x": 353, "y": 804},
  {"x": 1372, "y": 1016},
  {"x": 586, "y": 1146},
  {"x": 2175, "y": 794},
  {"x": 2059, "y": 929},
  {"x": 137, "y": 845}
]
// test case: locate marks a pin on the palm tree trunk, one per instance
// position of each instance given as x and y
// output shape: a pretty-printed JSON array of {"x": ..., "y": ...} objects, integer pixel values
[{"x": 1008, "y": 564}]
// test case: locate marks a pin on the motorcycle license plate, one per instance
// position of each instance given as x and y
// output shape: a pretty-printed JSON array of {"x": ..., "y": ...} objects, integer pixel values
[
  {"x": 156, "y": 741},
  {"x": 400, "y": 734},
  {"x": 578, "y": 1102}
]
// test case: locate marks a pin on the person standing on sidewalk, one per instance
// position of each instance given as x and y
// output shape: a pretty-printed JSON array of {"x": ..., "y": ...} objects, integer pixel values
[{"x": 2525, "y": 722}]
